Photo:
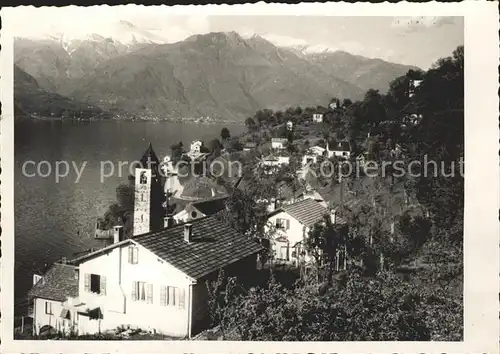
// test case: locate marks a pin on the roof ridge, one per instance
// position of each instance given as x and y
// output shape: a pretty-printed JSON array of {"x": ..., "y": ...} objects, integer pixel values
[{"x": 173, "y": 226}]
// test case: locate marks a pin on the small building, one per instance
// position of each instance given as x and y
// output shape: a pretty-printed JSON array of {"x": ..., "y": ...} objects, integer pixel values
[
  {"x": 249, "y": 146},
  {"x": 154, "y": 281},
  {"x": 289, "y": 125},
  {"x": 333, "y": 105},
  {"x": 50, "y": 294},
  {"x": 339, "y": 149},
  {"x": 274, "y": 162},
  {"x": 317, "y": 118},
  {"x": 278, "y": 143},
  {"x": 312, "y": 154},
  {"x": 200, "y": 209},
  {"x": 292, "y": 224}
]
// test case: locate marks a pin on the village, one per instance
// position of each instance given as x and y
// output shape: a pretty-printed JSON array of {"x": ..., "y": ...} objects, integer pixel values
[{"x": 198, "y": 249}]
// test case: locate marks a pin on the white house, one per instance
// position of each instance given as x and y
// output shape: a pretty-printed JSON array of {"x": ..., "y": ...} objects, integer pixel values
[
  {"x": 154, "y": 281},
  {"x": 50, "y": 293},
  {"x": 339, "y": 149},
  {"x": 312, "y": 154},
  {"x": 278, "y": 143},
  {"x": 289, "y": 125},
  {"x": 274, "y": 162},
  {"x": 317, "y": 118},
  {"x": 291, "y": 224}
]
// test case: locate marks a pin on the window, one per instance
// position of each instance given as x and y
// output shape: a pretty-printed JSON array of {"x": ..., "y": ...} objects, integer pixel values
[
  {"x": 282, "y": 224},
  {"x": 172, "y": 296},
  {"x": 143, "y": 178},
  {"x": 142, "y": 292},
  {"x": 48, "y": 308},
  {"x": 133, "y": 255},
  {"x": 95, "y": 283}
]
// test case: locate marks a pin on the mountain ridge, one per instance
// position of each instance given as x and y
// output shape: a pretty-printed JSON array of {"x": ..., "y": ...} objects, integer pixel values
[{"x": 219, "y": 74}]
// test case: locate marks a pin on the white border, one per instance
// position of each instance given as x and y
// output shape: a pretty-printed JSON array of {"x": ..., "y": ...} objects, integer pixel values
[{"x": 482, "y": 189}]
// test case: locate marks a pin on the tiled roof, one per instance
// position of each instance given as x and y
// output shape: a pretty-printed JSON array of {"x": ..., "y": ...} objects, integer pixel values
[
  {"x": 210, "y": 206},
  {"x": 149, "y": 159},
  {"x": 214, "y": 245},
  {"x": 307, "y": 211},
  {"x": 58, "y": 283}
]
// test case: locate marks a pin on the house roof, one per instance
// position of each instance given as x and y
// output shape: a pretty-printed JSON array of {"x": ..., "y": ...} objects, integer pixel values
[
  {"x": 278, "y": 140},
  {"x": 58, "y": 283},
  {"x": 150, "y": 157},
  {"x": 215, "y": 245},
  {"x": 307, "y": 211},
  {"x": 210, "y": 206},
  {"x": 201, "y": 188}
]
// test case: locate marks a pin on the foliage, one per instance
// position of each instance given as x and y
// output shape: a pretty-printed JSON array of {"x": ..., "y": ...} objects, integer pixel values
[
  {"x": 177, "y": 152},
  {"x": 221, "y": 293},
  {"x": 376, "y": 309},
  {"x": 322, "y": 243},
  {"x": 225, "y": 134},
  {"x": 121, "y": 212}
]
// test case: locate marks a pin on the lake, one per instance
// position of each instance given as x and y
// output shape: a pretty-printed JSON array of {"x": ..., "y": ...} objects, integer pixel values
[{"x": 57, "y": 218}]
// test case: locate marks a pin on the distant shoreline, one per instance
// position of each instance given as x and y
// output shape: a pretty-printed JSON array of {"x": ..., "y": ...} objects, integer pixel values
[{"x": 171, "y": 120}]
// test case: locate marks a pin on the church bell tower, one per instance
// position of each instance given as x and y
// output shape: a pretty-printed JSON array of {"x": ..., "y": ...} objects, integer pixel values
[{"x": 149, "y": 195}]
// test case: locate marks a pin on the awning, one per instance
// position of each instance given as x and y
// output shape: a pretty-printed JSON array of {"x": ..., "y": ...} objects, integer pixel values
[
  {"x": 93, "y": 314},
  {"x": 66, "y": 314}
]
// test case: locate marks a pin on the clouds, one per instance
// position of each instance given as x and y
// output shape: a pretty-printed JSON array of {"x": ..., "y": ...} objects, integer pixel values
[{"x": 416, "y": 23}]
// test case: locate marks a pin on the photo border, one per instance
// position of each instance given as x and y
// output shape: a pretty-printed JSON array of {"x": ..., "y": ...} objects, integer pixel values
[{"x": 482, "y": 188}]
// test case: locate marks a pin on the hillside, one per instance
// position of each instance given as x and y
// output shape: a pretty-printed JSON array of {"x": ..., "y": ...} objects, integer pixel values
[
  {"x": 366, "y": 73},
  {"x": 220, "y": 75},
  {"x": 30, "y": 99}
]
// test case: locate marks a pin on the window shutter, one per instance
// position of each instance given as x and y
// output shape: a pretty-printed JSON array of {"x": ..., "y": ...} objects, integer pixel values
[
  {"x": 135, "y": 255},
  {"x": 103, "y": 285},
  {"x": 163, "y": 295},
  {"x": 288, "y": 224},
  {"x": 181, "y": 298},
  {"x": 134, "y": 290},
  {"x": 170, "y": 295},
  {"x": 130, "y": 254},
  {"x": 177, "y": 293},
  {"x": 150, "y": 294},
  {"x": 87, "y": 282}
]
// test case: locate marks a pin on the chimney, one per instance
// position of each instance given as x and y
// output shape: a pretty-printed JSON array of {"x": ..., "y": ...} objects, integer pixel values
[
  {"x": 333, "y": 216},
  {"x": 188, "y": 230},
  {"x": 64, "y": 260},
  {"x": 117, "y": 233},
  {"x": 392, "y": 228},
  {"x": 167, "y": 221}
]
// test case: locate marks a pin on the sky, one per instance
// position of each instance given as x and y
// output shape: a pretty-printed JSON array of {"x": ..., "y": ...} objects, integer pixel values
[{"x": 418, "y": 41}]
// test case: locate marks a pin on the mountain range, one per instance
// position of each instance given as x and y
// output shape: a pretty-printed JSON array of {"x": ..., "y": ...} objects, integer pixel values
[{"x": 220, "y": 75}]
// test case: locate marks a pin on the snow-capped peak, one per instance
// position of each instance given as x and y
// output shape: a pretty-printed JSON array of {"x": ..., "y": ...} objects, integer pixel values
[{"x": 122, "y": 31}]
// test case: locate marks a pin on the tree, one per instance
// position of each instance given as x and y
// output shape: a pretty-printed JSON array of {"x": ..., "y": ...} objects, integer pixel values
[
  {"x": 221, "y": 293},
  {"x": 251, "y": 125},
  {"x": 177, "y": 152},
  {"x": 346, "y": 103},
  {"x": 224, "y": 134},
  {"x": 121, "y": 212},
  {"x": 215, "y": 147},
  {"x": 322, "y": 243}
]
